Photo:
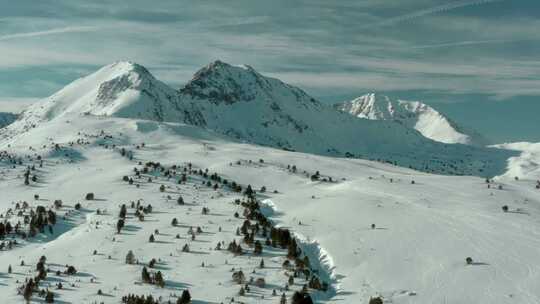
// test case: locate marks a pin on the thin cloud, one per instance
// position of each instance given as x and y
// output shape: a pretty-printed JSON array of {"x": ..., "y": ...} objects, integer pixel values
[
  {"x": 431, "y": 11},
  {"x": 460, "y": 43},
  {"x": 55, "y": 31}
]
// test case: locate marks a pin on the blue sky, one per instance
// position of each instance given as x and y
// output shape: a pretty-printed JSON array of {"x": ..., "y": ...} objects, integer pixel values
[{"x": 469, "y": 55}]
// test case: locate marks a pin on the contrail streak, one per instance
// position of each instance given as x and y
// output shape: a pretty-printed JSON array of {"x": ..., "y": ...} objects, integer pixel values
[
  {"x": 54, "y": 31},
  {"x": 459, "y": 43},
  {"x": 431, "y": 11}
]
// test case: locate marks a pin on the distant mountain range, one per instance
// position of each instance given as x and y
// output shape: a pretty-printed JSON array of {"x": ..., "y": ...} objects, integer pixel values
[
  {"x": 412, "y": 114},
  {"x": 239, "y": 102}
]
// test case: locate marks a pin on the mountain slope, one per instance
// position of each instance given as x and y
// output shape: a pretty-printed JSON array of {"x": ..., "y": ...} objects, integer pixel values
[
  {"x": 415, "y": 252},
  {"x": 412, "y": 114},
  {"x": 241, "y": 103},
  {"x": 373, "y": 229},
  {"x": 527, "y": 164}
]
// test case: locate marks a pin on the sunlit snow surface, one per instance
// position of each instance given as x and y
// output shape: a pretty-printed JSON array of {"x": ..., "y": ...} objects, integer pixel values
[{"x": 415, "y": 252}]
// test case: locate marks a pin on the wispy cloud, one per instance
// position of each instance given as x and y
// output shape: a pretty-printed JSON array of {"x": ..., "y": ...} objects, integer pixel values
[
  {"x": 54, "y": 31},
  {"x": 460, "y": 43},
  {"x": 430, "y": 11},
  {"x": 312, "y": 43}
]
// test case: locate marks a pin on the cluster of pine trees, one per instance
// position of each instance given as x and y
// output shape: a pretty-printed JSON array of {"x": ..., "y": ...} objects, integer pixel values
[
  {"x": 36, "y": 221},
  {"x": 152, "y": 278}
]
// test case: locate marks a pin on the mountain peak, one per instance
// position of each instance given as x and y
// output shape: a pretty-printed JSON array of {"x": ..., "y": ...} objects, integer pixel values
[
  {"x": 123, "y": 89},
  {"x": 221, "y": 65},
  {"x": 221, "y": 82},
  {"x": 371, "y": 106},
  {"x": 118, "y": 68}
]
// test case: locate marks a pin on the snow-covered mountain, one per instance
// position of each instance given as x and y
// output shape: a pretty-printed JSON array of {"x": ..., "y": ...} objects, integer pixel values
[
  {"x": 98, "y": 184},
  {"x": 243, "y": 104},
  {"x": 7, "y": 118},
  {"x": 122, "y": 89},
  {"x": 413, "y": 114}
]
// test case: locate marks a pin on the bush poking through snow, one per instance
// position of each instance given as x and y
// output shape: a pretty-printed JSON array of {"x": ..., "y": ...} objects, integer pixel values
[
  {"x": 376, "y": 300},
  {"x": 70, "y": 270},
  {"x": 260, "y": 282}
]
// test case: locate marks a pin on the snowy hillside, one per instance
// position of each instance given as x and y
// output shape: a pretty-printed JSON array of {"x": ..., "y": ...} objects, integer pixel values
[
  {"x": 412, "y": 114},
  {"x": 246, "y": 106},
  {"x": 526, "y": 165},
  {"x": 368, "y": 229},
  {"x": 7, "y": 118}
]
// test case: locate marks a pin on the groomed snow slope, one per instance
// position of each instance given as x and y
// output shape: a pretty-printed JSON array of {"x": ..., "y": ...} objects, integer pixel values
[
  {"x": 412, "y": 114},
  {"x": 424, "y": 231}
]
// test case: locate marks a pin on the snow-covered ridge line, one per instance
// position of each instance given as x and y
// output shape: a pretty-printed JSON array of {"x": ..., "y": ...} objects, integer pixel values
[
  {"x": 524, "y": 166},
  {"x": 244, "y": 105},
  {"x": 319, "y": 258},
  {"x": 321, "y": 261}
]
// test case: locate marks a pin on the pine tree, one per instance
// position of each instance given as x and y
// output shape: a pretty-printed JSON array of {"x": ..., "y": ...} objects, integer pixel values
[
  {"x": 185, "y": 298},
  {"x": 130, "y": 257},
  {"x": 49, "y": 297},
  {"x": 146, "y": 276},
  {"x": 28, "y": 290},
  {"x": 123, "y": 212},
  {"x": 258, "y": 248},
  {"x": 119, "y": 225},
  {"x": 158, "y": 279}
]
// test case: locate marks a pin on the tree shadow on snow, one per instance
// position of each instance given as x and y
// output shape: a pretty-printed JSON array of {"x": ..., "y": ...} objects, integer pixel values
[
  {"x": 176, "y": 285},
  {"x": 519, "y": 212},
  {"x": 479, "y": 264}
]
